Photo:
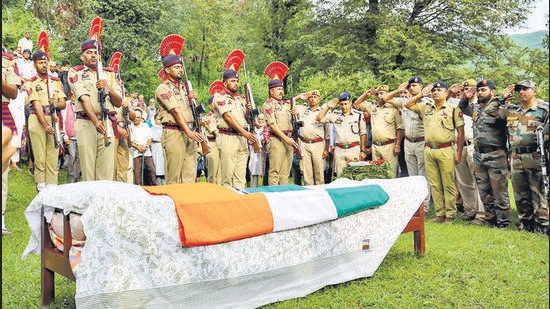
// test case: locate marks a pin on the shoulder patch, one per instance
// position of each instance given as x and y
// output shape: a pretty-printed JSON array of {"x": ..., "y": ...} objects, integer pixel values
[
  {"x": 461, "y": 114},
  {"x": 268, "y": 111},
  {"x": 29, "y": 91},
  {"x": 221, "y": 103},
  {"x": 34, "y": 78},
  {"x": 79, "y": 67},
  {"x": 166, "y": 95},
  {"x": 73, "y": 79}
]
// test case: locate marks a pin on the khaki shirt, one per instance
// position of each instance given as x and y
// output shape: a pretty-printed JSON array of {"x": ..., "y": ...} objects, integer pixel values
[
  {"x": 8, "y": 74},
  {"x": 412, "y": 122},
  {"x": 227, "y": 103},
  {"x": 82, "y": 81},
  {"x": 348, "y": 128},
  {"x": 169, "y": 96},
  {"x": 385, "y": 121},
  {"x": 211, "y": 120},
  {"x": 439, "y": 123},
  {"x": 312, "y": 128},
  {"x": 37, "y": 90},
  {"x": 278, "y": 112}
]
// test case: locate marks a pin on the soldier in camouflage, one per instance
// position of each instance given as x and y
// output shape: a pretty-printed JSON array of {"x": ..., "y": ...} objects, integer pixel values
[
  {"x": 490, "y": 156},
  {"x": 523, "y": 119}
]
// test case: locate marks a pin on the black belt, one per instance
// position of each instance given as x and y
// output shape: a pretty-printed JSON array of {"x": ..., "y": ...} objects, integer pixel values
[
  {"x": 524, "y": 149},
  {"x": 487, "y": 149}
]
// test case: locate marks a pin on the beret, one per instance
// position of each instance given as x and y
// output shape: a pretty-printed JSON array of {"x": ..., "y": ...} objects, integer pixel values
[
  {"x": 486, "y": 83},
  {"x": 344, "y": 96},
  {"x": 415, "y": 80},
  {"x": 441, "y": 85}
]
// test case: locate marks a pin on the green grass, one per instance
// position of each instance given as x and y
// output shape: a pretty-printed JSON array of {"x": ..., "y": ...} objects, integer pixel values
[{"x": 465, "y": 267}]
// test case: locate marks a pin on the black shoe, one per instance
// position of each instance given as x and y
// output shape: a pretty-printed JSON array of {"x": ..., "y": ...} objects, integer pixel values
[
  {"x": 525, "y": 226},
  {"x": 468, "y": 217},
  {"x": 541, "y": 230}
]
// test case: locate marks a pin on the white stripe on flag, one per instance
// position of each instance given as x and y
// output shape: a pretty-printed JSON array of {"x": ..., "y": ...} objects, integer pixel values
[{"x": 294, "y": 209}]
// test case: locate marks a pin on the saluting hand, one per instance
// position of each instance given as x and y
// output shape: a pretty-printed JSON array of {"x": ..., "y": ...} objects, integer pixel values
[
  {"x": 427, "y": 90},
  {"x": 508, "y": 91}
]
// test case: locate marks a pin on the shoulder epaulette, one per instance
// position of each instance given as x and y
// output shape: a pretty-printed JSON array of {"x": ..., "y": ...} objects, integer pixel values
[
  {"x": 79, "y": 67},
  {"x": 34, "y": 78},
  {"x": 6, "y": 55},
  {"x": 54, "y": 78}
]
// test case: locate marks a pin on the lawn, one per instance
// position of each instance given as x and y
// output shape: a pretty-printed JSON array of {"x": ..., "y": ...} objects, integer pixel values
[{"x": 465, "y": 267}]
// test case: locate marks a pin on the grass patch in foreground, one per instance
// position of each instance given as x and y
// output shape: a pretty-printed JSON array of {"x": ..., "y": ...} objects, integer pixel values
[{"x": 465, "y": 266}]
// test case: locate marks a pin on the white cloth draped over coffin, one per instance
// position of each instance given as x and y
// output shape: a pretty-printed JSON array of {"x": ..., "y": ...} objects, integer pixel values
[{"x": 133, "y": 255}]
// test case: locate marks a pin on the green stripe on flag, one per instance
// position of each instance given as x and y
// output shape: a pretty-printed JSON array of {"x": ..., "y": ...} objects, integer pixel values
[
  {"x": 351, "y": 200},
  {"x": 279, "y": 188}
]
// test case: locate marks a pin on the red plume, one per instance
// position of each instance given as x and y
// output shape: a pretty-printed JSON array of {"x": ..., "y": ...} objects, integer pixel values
[
  {"x": 95, "y": 29},
  {"x": 115, "y": 61},
  {"x": 276, "y": 70},
  {"x": 162, "y": 75},
  {"x": 171, "y": 44},
  {"x": 234, "y": 60},
  {"x": 42, "y": 41},
  {"x": 215, "y": 87}
]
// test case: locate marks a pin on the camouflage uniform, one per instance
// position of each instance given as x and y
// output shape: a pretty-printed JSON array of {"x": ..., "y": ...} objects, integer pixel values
[
  {"x": 491, "y": 159},
  {"x": 526, "y": 165}
]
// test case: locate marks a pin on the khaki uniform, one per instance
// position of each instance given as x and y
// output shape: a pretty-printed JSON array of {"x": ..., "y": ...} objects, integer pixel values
[
  {"x": 180, "y": 151},
  {"x": 385, "y": 122},
  {"x": 312, "y": 145},
  {"x": 96, "y": 161},
  {"x": 233, "y": 147},
  {"x": 348, "y": 129},
  {"x": 45, "y": 153},
  {"x": 439, "y": 126},
  {"x": 213, "y": 157},
  {"x": 280, "y": 153},
  {"x": 414, "y": 143},
  {"x": 122, "y": 151}
]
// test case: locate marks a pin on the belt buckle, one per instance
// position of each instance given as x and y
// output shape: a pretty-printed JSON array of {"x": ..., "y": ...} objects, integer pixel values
[
  {"x": 413, "y": 140},
  {"x": 347, "y": 146},
  {"x": 434, "y": 145}
]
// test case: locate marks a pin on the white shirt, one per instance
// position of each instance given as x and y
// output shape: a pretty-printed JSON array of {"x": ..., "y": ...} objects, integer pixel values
[
  {"x": 140, "y": 135},
  {"x": 25, "y": 44}
]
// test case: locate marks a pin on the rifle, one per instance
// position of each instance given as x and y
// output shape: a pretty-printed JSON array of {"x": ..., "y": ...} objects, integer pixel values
[
  {"x": 543, "y": 154},
  {"x": 53, "y": 111},
  {"x": 196, "y": 110},
  {"x": 296, "y": 124},
  {"x": 43, "y": 44},
  {"x": 102, "y": 98},
  {"x": 253, "y": 112}
]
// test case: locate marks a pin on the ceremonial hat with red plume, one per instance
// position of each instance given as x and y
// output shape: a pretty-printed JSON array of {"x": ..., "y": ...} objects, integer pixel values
[
  {"x": 276, "y": 71},
  {"x": 232, "y": 64},
  {"x": 171, "y": 48}
]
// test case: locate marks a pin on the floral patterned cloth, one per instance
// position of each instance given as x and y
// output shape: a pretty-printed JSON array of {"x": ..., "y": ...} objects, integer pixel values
[{"x": 133, "y": 256}]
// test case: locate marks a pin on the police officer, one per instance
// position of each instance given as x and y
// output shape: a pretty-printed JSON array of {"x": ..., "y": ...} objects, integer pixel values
[
  {"x": 523, "y": 119},
  {"x": 386, "y": 128},
  {"x": 97, "y": 158},
  {"x": 179, "y": 138},
  {"x": 280, "y": 145},
  {"x": 40, "y": 123},
  {"x": 414, "y": 130},
  {"x": 441, "y": 120},
  {"x": 210, "y": 123},
  {"x": 233, "y": 133},
  {"x": 350, "y": 130},
  {"x": 312, "y": 137}
]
